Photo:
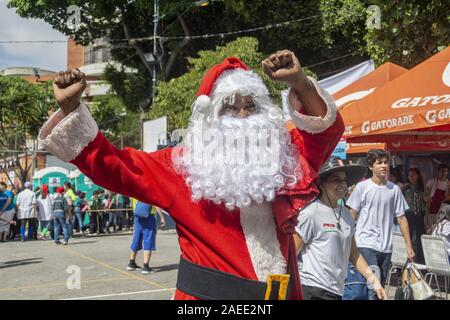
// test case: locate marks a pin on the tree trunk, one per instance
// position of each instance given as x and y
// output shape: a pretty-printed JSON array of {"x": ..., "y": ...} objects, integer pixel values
[
  {"x": 178, "y": 48},
  {"x": 137, "y": 46}
]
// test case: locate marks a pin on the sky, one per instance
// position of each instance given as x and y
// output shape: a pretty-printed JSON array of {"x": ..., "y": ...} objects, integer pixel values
[{"x": 49, "y": 56}]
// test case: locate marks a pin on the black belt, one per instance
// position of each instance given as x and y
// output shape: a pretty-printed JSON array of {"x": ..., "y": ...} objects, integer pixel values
[{"x": 210, "y": 284}]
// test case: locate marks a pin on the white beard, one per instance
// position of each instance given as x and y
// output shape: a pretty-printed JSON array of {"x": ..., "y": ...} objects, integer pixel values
[{"x": 218, "y": 178}]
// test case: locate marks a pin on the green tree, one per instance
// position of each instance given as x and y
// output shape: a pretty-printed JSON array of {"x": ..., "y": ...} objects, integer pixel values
[
  {"x": 23, "y": 109},
  {"x": 116, "y": 123},
  {"x": 411, "y": 31},
  {"x": 176, "y": 96},
  {"x": 128, "y": 20}
]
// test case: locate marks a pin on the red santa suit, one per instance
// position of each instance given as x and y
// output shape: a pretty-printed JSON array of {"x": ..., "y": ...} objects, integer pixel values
[{"x": 250, "y": 243}]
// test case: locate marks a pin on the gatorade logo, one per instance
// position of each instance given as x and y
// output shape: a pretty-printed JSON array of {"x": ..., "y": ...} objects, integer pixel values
[{"x": 446, "y": 75}]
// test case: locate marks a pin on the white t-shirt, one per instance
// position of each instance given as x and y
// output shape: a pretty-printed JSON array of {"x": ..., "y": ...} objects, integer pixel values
[
  {"x": 25, "y": 201},
  {"x": 443, "y": 230},
  {"x": 327, "y": 249},
  {"x": 377, "y": 206},
  {"x": 45, "y": 208}
]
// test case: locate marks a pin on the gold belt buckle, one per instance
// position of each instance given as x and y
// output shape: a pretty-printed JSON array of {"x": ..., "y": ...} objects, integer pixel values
[{"x": 283, "y": 279}]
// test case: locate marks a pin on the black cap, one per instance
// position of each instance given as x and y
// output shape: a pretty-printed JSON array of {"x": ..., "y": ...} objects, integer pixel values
[{"x": 333, "y": 164}]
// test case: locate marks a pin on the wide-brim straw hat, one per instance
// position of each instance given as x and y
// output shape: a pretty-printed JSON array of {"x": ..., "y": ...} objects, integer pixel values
[{"x": 354, "y": 172}]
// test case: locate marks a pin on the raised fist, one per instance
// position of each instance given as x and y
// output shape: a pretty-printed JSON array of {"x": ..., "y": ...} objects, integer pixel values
[
  {"x": 283, "y": 66},
  {"x": 68, "y": 87}
]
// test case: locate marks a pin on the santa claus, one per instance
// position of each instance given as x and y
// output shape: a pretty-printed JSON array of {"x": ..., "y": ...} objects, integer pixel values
[{"x": 234, "y": 186}]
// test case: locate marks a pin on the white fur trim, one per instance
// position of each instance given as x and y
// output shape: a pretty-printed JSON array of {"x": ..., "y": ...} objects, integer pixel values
[
  {"x": 68, "y": 136},
  {"x": 258, "y": 224},
  {"x": 315, "y": 124},
  {"x": 244, "y": 82},
  {"x": 201, "y": 104}
]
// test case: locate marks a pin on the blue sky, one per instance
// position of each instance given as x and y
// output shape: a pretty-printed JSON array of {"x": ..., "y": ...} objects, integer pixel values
[{"x": 50, "y": 56}]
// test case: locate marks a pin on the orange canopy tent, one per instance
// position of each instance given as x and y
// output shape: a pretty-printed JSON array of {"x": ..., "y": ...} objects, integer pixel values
[
  {"x": 362, "y": 88},
  {"x": 410, "y": 112}
]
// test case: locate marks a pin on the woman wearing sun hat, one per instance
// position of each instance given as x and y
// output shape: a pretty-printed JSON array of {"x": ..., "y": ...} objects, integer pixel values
[{"x": 325, "y": 236}]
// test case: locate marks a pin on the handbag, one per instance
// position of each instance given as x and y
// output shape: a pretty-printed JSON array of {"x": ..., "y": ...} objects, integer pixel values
[
  {"x": 87, "y": 220},
  {"x": 404, "y": 290},
  {"x": 421, "y": 289}
]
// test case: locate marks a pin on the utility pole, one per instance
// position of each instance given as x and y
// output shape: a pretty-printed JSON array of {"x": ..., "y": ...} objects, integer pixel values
[{"x": 155, "y": 28}]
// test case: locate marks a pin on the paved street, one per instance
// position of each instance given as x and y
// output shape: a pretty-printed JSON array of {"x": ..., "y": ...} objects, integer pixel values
[{"x": 39, "y": 270}]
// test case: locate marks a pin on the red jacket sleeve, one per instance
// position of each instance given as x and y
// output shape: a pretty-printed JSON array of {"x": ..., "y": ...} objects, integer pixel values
[
  {"x": 148, "y": 177},
  {"x": 317, "y": 147}
]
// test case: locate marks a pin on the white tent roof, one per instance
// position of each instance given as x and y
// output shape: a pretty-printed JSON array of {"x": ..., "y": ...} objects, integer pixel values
[
  {"x": 74, "y": 174},
  {"x": 41, "y": 173}
]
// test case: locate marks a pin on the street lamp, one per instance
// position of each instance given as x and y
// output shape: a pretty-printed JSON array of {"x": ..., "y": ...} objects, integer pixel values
[{"x": 201, "y": 3}]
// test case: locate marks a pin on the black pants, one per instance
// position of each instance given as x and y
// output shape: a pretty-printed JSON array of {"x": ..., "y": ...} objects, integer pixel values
[
  {"x": 96, "y": 223},
  {"x": 416, "y": 230},
  {"x": 32, "y": 227},
  {"x": 316, "y": 293}
]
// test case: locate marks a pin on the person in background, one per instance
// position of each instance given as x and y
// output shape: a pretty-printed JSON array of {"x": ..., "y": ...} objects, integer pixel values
[
  {"x": 325, "y": 238},
  {"x": 113, "y": 214},
  {"x": 26, "y": 210},
  {"x": 395, "y": 177},
  {"x": 122, "y": 203},
  {"x": 54, "y": 192},
  {"x": 96, "y": 217},
  {"x": 442, "y": 229},
  {"x": 45, "y": 211},
  {"x": 78, "y": 214},
  {"x": 414, "y": 193},
  {"x": 107, "y": 215},
  {"x": 85, "y": 210},
  {"x": 373, "y": 204},
  {"x": 60, "y": 208},
  {"x": 35, "y": 220},
  {"x": 437, "y": 191},
  {"x": 70, "y": 196},
  {"x": 144, "y": 236},
  {"x": 7, "y": 211}
]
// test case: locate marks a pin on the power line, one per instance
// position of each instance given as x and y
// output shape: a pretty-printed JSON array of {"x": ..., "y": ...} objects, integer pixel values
[
  {"x": 332, "y": 59},
  {"x": 31, "y": 41},
  {"x": 203, "y": 36}
]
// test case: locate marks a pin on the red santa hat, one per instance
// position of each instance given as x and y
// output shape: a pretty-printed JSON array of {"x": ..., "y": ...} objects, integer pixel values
[{"x": 225, "y": 79}]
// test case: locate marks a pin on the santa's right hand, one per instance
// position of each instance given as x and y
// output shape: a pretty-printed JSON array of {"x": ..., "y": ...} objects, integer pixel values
[{"x": 68, "y": 87}]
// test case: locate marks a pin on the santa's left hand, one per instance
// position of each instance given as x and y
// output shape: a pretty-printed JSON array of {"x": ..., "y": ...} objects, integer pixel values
[{"x": 284, "y": 66}]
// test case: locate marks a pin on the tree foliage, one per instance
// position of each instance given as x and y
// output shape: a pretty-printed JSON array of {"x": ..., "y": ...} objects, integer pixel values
[
  {"x": 411, "y": 31},
  {"x": 23, "y": 109},
  {"x": 127, "y": 20},
  {"x": 115, "y": 122}
]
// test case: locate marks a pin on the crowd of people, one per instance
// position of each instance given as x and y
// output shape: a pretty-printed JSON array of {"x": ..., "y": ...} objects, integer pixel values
[
  {"x": 427, "y": 203},
  {"x": 41, "y": 215},
  {"x": 378, "y": 206}
]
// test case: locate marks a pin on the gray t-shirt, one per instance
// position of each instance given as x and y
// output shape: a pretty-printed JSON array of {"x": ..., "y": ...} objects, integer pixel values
[
  {"x": 327, "y": 249},
  {"x": 377, "y": 206}
]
